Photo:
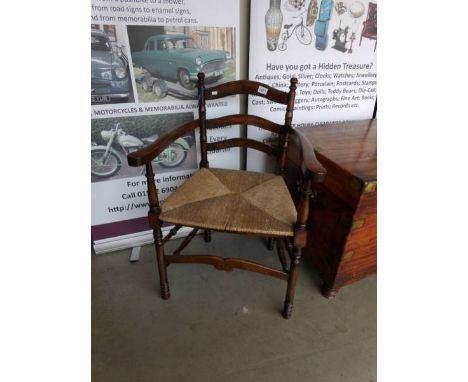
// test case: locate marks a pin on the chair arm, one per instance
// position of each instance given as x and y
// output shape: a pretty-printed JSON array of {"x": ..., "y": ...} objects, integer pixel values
[
  {"x": 313, "y": 168},
  {"x": 148, "y": 153}
]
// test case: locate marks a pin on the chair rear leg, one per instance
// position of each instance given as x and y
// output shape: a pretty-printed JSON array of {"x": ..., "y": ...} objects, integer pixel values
[
  {"x": 280, "y": 248},
  {"x": 207, "y": 236},
  {"x": 271, "y": 243},
  {"x": 292, "y": 278},
  {"x": 163, "y": 282}
]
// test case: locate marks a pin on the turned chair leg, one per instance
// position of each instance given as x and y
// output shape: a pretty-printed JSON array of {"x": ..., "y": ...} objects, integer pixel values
[
  {"x": 207, "y": 234},
  {"x": 292, "y": 278},
  {"x": 280, "y": 248},
  {"x": 163, "y": 282}
]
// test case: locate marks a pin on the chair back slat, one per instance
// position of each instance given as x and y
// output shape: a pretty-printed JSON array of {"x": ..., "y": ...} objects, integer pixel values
[
  {"x": 245, "y": 119},
  {"x": 243, "y": 142},
  {"x": 251, "y": 88},
  {"x": 247, "y": 87}
]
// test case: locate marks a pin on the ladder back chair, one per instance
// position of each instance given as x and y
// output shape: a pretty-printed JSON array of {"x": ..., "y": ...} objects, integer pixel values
[
  {"x": 236, "y": 201},
  {"x": 369, "y": 29}
]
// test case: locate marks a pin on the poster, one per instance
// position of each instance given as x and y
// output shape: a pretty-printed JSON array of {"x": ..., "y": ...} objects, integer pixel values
[
  {"x": 144, "y": 59},
  {"x": 330, "y": 46}
]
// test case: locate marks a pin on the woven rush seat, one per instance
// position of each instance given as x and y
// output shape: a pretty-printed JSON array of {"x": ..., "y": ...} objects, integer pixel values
[{"x": 233, "y": 200}]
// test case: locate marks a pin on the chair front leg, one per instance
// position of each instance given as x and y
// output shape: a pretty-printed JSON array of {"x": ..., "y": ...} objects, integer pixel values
[
  {"x": 300, "y": 238},
  {"x": 292, "y": 279},
  {"x": 163, "y": 282},
  {"x": 155, "y": 223}
]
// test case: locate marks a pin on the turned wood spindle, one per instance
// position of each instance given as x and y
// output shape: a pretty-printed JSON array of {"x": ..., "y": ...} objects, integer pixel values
[
  {"x": 202, "y": 116},
  {"x": 287, "y": 124},
  {"x": 155, "y": 223}
]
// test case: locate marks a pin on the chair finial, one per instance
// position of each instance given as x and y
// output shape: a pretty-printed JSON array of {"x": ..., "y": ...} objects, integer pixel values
[{"x": 293, "y": 83}]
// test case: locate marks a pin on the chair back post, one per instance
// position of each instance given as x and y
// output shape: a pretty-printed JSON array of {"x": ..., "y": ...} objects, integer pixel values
[
  {"x": 154, "y": 207},
  {"x": 202, "y": 116},
  {"x": 287, "y": 124}
]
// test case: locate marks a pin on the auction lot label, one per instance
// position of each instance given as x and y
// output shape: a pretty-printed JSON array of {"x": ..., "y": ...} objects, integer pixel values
[
  {"x": 144, "y": 59},
  {"x": 329, "y": 46}
]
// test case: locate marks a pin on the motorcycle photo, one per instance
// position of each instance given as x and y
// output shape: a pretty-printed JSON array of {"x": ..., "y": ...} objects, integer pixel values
[{"x": 106, "y": 161}]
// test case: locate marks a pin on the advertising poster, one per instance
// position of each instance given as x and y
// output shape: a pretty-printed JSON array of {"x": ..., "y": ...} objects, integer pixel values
[
  {"x": 145, "y": 56},
  {"x": 330, "y": 46}
]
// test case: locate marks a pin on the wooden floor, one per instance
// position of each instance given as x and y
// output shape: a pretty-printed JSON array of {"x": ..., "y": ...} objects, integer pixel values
[{"x": 221, "y": 326}]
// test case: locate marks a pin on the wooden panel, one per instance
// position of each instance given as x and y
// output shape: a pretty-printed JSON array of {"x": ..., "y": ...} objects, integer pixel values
[
  {"x": 359, "y": 254},
  {"x": 346, "y": 186},
  {"x": 349, "y": 277},
  {"x": 363, "y": 231},
  {"x": 328, "y": 226}
]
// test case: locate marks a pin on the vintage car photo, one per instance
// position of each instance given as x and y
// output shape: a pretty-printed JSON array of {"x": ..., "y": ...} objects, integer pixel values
[
  {"x": 110, "y": 75},
  {"x": 166, "y": 60}
]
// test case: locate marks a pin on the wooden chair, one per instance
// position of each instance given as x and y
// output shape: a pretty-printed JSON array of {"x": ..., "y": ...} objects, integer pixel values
[{"x": 243, "y": 202}]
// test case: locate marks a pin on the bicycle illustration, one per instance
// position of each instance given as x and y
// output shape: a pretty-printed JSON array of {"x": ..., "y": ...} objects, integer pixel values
[{"x": 302, "y": 33}]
